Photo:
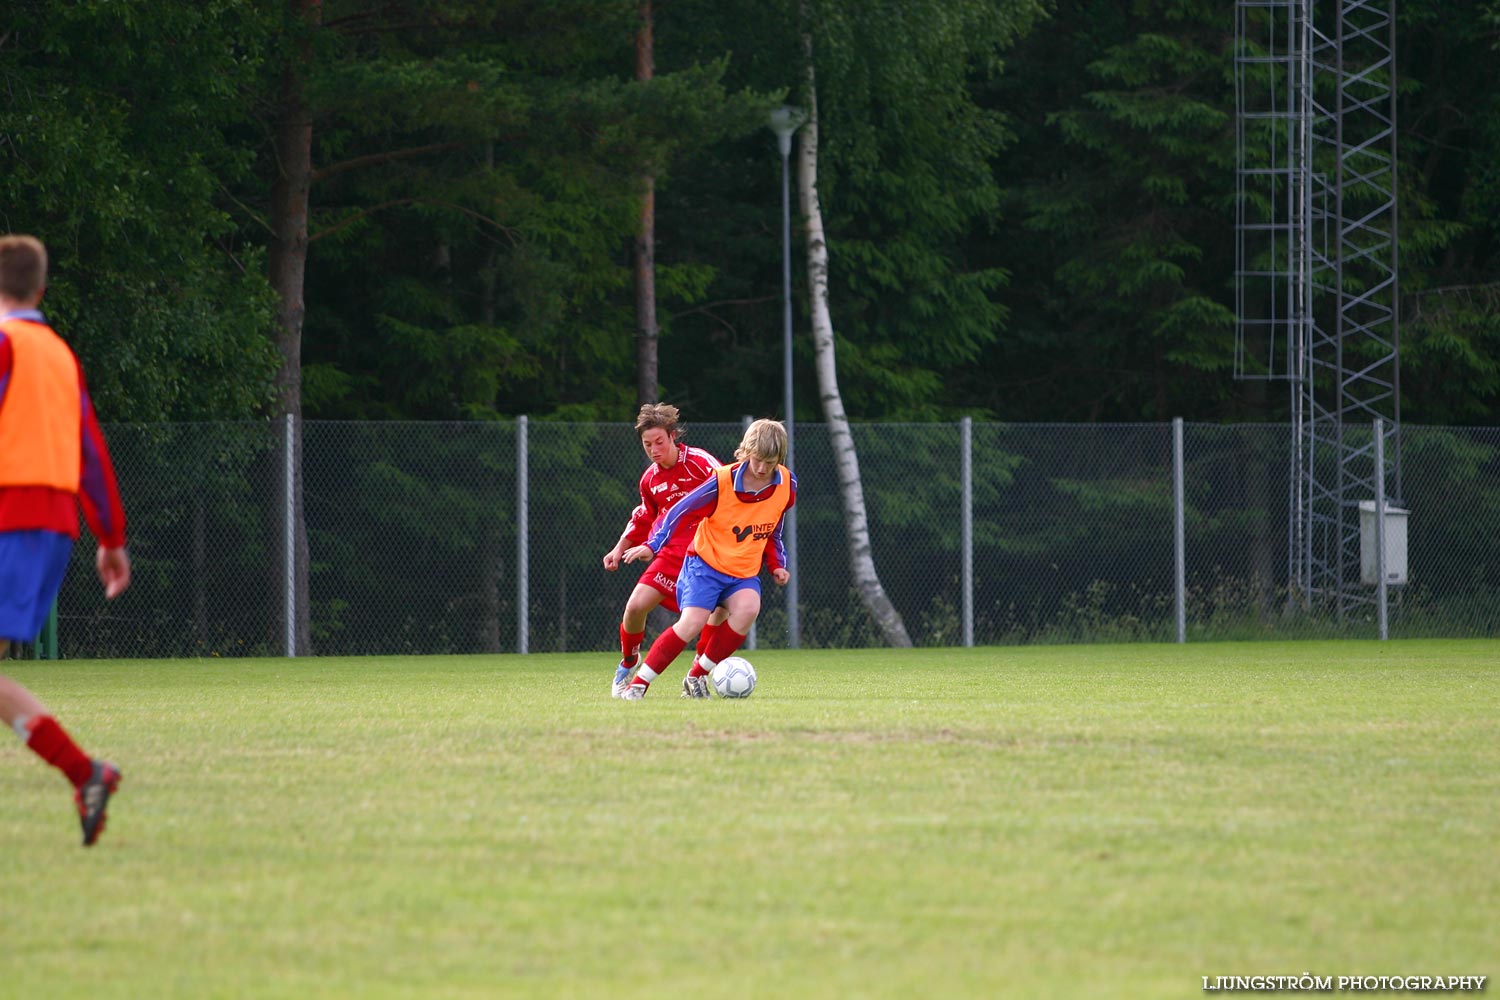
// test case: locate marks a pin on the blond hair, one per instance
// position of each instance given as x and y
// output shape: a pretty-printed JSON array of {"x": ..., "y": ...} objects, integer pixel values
[
  {"x": 663, "y": 415},
  {"x": 23, "y": 267},
  {"x": 764, "y": 439}
]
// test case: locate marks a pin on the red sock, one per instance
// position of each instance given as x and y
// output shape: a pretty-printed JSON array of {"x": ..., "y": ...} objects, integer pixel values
[
  {"x": 51, "y": 742},
  {"x": 663, "y": 651},
  {"x": 699, "y": 670},
  {"x": 630, "y": 645},
  {"x": 726, "y": 640}
]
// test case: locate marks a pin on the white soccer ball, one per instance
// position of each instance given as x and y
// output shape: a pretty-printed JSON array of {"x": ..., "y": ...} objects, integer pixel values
[{"x": 734, "y": 677}]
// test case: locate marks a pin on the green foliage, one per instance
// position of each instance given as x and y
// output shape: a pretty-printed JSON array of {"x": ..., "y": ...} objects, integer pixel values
[
  {"x": 116, "y": 144},
  {"x": 478, "y": 182},
  {"x": 905, "y": 184},
  {"x": 1124, "y": 200},
  {"x": 1450, "y": 204},
  {"x": 1452, "y": 353},
  {"x": 1029, "y": 218}
]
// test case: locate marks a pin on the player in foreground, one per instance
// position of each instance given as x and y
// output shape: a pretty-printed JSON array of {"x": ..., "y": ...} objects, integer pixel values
[
  {"x": 740, "y": 512},
  {"x": 52, "y": 457},
  {"x": 675, "y": 469}
]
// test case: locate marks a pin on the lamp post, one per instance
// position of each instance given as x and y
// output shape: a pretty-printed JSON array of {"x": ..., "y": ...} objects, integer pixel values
[{"x": 785, "y": 121}]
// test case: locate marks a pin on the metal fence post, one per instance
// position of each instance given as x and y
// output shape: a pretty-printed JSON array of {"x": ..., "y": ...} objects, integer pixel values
[
  {"x": 47, "y": 644},
  {"x": 750, "y": 638},
  {"x": 793, "y": 591},
  {"x": 1382, "y": 609},
  {"x": 966, "y": 479},
  {"x": 289, "y": 535},
  {"x": 1179, "y": 532},
  {"x": 523, "y": 539}
]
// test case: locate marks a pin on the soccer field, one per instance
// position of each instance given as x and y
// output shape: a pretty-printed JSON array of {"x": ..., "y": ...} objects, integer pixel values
[{"x": 1116, "y": 821}]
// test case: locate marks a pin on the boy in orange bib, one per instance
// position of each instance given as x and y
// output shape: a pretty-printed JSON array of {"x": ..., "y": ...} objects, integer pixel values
[{"x": 52, "y": 460}]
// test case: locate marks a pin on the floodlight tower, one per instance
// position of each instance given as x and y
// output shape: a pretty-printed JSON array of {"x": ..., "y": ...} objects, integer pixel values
[{"x": 1316, "y": 264}]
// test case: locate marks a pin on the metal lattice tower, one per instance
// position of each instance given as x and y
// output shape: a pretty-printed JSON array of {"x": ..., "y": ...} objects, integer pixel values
[{"x": 1316, "y": 262}]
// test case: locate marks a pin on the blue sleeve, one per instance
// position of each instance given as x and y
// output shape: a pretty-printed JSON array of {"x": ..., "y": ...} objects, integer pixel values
[
  {"x": 5, "y": 356},
  {"x": 776, "y": 541},
  {"x": 705, "y": 494}
]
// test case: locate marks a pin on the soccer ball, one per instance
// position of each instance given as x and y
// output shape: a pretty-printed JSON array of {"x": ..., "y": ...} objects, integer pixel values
[{"x": 734, "y": 677}]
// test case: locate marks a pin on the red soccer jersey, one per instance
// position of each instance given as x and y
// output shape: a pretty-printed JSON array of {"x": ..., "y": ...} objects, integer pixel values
[{"x": 660, "y": 489}]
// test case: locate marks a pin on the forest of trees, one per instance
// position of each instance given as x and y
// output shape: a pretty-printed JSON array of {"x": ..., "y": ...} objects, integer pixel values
[{"x": 435, "y": 209}]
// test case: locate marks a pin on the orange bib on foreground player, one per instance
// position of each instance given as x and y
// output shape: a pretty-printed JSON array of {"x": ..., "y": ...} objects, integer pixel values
[
  {"x": 44, "y": 379},
  {"x": 732, "y": 539}
]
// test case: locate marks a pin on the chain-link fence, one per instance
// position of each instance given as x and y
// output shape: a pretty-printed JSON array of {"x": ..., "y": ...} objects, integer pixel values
[{"x": 429, "y": 538}]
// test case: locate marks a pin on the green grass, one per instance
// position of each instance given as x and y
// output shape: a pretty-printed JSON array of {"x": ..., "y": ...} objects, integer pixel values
[{"x": 1114, "y": 821}]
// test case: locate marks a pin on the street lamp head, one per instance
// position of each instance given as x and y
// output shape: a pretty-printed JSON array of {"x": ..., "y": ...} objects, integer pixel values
[{"x": 785, "y": 121}]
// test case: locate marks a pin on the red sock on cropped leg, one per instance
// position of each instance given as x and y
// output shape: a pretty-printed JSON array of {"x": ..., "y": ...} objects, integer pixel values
[
  {"x": 725, "y": 641},
  {"x": 663, "y": 651},
  {"x": 704, "y": 637},
  {"x": 630, "y": 645},
  {"x": 52, "y": 743},
  {"x": 709, "y": 628}
]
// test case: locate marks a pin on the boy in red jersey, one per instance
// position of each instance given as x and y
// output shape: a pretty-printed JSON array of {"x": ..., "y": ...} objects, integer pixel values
[
  {"x": 675, "y": 470},
  {"x": 52, "y": 457},
  {"x": 739, "y": 514}
]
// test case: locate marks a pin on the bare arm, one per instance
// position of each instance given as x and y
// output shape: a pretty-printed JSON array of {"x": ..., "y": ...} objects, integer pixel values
[{"x": 114, "y": 570}]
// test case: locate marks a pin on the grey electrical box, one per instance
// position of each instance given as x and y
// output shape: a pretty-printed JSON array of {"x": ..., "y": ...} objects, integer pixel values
[{"x": 1395, "y": 544}]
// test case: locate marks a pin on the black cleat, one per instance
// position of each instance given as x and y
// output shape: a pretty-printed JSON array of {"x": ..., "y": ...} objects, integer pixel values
[{"x": 93, "y": 799}]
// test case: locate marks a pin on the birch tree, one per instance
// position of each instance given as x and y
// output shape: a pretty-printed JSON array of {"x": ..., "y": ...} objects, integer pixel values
[
  {"x": 913, "y": 156},
  {"x": 845, "y": 457}
]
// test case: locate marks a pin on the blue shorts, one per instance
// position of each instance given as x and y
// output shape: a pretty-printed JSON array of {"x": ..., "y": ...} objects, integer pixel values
[
  {"x": 699, "y": 585},
  {"x": 32, "y": 566}
]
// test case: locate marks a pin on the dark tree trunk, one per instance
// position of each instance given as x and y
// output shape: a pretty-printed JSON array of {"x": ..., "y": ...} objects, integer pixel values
[
  {"x": 647, "y": 332},
  {"x": 288, "y": 267}
]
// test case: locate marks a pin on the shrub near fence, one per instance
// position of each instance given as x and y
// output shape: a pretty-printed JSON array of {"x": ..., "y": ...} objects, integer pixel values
[{"x": 414, "y": 534}]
